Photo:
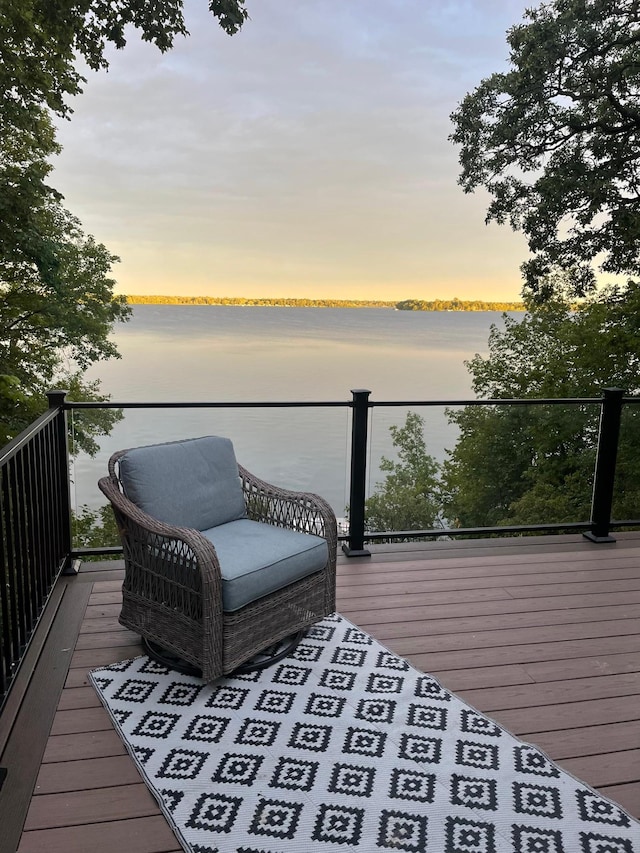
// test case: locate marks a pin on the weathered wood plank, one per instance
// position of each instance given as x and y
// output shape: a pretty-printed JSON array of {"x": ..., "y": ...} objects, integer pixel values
[
  {"x": 591, "y": 740},
  {"x": 525, "y": 722},
  {"x": 554, "y": 692},
  {"x": 108, "y": 586},
  {"x": 108, "y": 623},
  {"x": 112, "y": 597},
  {"x": 78, "y": 697},
  {"x": 84, "y": 745},
  {"x": 627, "y": 795},
  {"x": 85, "y": 774},
  {"x": 494, "y": 676},
  {"x": 610, "y": 769},
  {"x": 100, "y": 611},
  {"x": 434, "y": 621},
  {"x": 78, "y": 677},
  {"x": 81, "y": 807},
  {"x": 140, "y": 835},
  {"x": 590, "y": 666},
  {"x": 480, "y": 567},
  {"x": 520, "y": 654},
  {"x": 517, "y": 587},
  {"x": 110, "y": 639},
  {"x": 418, "y": 637},
  {"x": 81, "y": 720},
  {"x": 561, "y": 670},
  {"x": 478, "y": 601},
  {"x": 104, "y": 656}
]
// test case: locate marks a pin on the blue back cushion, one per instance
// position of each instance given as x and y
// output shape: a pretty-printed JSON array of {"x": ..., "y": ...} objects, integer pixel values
[{"x": 192, "y": 483}]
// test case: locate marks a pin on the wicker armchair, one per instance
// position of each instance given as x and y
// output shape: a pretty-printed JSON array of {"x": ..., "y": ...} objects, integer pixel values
[{"x": 181, "y": 591}]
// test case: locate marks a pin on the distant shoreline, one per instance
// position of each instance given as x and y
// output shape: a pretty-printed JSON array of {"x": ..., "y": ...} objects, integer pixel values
[{"x": 404, "y": 305}]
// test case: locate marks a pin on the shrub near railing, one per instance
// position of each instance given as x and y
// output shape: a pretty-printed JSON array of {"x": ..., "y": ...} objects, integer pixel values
[{"x": 35, "y": 538}]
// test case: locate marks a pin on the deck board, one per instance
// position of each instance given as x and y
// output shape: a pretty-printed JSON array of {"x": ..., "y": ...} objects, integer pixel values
[{"x": 543, "y": 636}]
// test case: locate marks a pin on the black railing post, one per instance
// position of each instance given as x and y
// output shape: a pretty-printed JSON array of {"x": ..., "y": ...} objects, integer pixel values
[
  {"x": 605, "y": 470},
  {"x": 61, "y": 488},
  {"x": 357, "y": 488}
]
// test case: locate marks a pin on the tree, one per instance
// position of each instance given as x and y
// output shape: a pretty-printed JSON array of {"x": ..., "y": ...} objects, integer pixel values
[
  {"x": 409, "y": 497},
  {"x": 57, "y": 306},
  {"x": 556, "y": 141},
  {"x": 56, "y": 294},
  {"x": 95, "y": 528},
  {"x": 534, "y": 464},
  {"x": 42, "y": 39}
]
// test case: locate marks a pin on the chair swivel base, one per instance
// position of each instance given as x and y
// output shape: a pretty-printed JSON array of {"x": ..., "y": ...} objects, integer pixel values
[{"x": 267, "y": 657}]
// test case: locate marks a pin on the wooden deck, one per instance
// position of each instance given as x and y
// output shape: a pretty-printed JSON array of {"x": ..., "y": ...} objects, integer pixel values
[{"x": 542, "y": 634}]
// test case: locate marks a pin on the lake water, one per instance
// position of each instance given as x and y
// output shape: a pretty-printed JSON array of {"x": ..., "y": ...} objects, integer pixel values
[{"x": 224, "y": 354}]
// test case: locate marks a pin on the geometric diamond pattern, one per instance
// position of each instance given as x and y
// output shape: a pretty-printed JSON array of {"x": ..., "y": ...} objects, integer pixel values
[
  {"x": 238, "y": 769},
  {"x": 538, "y": 800},
  {"x": 595, "y": 809},
  {"x": 276, "y": 818},
  {"x": 338, "y": 824},
  {"x": 474, "y": 793},
  {"x": 343, "y": 746},
  {"x": 322, "y": 705},
  {"x": 595, "y": 843},
  {"x": 294, "y": 774},
  {"x": 351, "y": 779},
  {"x": 402, "y": 831},
  {"x": 476, "y": 724},
  {"x": 469, "y": 836},
  {"x": 376, "y": 710},
  {"x": 412, "y": 785},
  {"x": 156, "y": 724},
  {"x": 427, "y": 717},
  {"x": 180, "y": 693},
  {"x": 214, "y": 812},
  {"x": 474, "y": 754},
  {"x": 528, "y": 759}
]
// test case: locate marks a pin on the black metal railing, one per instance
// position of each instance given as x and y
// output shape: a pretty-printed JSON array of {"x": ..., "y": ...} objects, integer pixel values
[
  {"x": 35, "y": 510},
  {"x": 35, "y": 530},
  {"x": 597, "y": 528}
]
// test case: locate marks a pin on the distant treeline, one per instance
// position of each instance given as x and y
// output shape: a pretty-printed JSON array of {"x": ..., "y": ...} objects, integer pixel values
[
  {"x": 457, "y": 305},
  {"x": 269, "y": 302},
  {"x": 405, "y": 305}
]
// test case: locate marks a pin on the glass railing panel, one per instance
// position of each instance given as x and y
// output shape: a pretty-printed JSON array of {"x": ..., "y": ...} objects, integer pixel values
[
  {"x": 302, "y": 448},
  {"x": 626, "y": 492},
  {"x": 483, "y": 465}
]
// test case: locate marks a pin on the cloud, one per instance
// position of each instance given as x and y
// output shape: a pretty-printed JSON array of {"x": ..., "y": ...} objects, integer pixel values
[{"x": 308, "y": 151}]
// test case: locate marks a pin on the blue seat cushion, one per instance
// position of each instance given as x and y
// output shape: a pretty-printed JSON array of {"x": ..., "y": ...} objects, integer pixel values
[
  {"x": 257, "y": 559},
  {"x": 192, "y": 483}
]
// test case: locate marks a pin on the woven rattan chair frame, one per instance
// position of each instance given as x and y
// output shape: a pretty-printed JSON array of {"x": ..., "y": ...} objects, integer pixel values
[{"x": 172, "y": 591}]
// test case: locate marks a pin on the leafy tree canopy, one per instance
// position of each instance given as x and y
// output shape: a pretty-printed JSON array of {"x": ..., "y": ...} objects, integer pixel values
[
  {"x": 57, "y": 305},
  {"x": 42, "y": 39},
  {"x": 56, "y": 292},
  {"x": 556, "y": 141},
  {"x": 534, "y": 464}
]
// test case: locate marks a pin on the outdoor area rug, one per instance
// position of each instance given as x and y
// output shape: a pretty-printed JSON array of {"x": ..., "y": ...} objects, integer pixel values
[{"x": 343, "y": 746}]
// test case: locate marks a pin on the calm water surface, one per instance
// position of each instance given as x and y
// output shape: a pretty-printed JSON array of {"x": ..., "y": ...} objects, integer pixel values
[{"x": 220, "y": 353}]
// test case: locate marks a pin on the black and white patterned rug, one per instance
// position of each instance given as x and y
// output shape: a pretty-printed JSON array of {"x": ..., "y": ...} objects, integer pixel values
[{"x": 345, "y": 747}]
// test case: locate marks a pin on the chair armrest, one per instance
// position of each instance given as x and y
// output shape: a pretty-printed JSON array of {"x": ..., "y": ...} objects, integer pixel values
[
  {"x": 155, "y": 540},
  {"x": 305, "y": 512}
]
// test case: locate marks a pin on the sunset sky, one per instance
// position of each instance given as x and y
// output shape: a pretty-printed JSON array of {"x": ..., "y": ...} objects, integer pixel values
[{"x": 306, "y": 156}]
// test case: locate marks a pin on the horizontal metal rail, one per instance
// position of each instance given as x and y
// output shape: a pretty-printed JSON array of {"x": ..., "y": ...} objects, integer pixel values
[{"x": 598, "y": 528}]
